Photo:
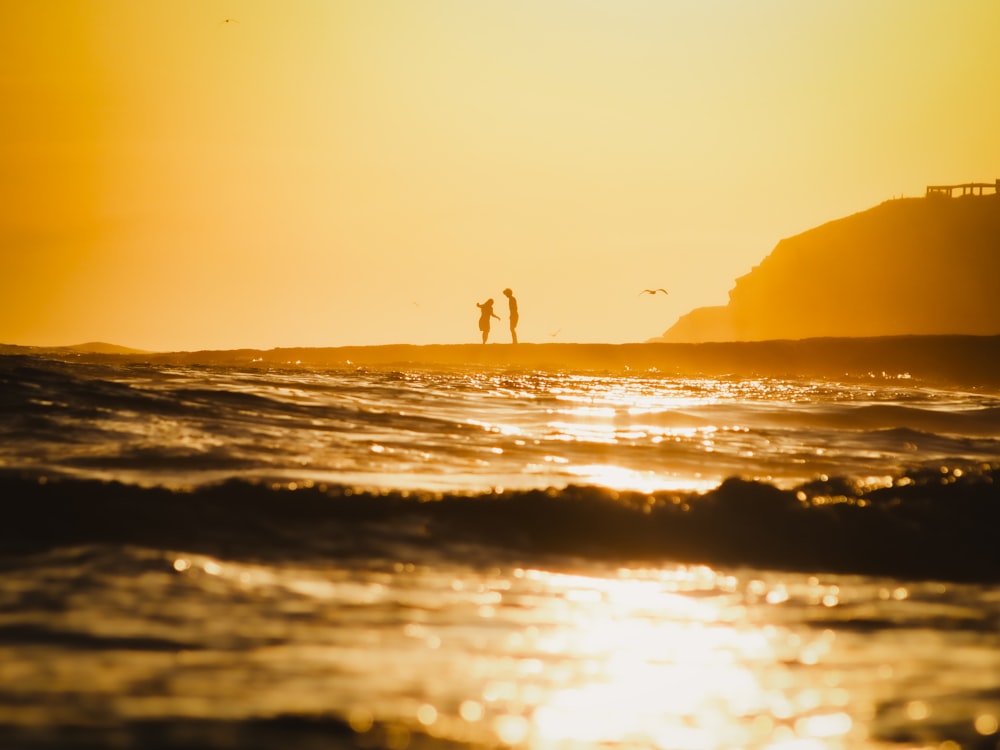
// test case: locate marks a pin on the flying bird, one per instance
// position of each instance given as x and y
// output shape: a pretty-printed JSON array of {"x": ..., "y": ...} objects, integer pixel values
[
  {"x": 652, "y": 291},
  {"x": 228, "y": 20}
]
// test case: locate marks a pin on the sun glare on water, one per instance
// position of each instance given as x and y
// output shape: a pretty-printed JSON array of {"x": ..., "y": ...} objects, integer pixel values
[
  {"x": 530, "y": 657},
  {"x": 654, "y": 664},
  {"x": 621, "y": 478},
  {"x": 607, "y": 412}
]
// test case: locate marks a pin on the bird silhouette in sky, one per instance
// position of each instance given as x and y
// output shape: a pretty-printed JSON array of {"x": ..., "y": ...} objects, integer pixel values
[{"x": 652, "y": 291}]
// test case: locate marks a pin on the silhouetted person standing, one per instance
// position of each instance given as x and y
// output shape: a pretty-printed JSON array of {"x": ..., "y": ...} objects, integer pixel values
[
  {"x": 485, "y": 313},
  {"x": 513, "y": 313}
]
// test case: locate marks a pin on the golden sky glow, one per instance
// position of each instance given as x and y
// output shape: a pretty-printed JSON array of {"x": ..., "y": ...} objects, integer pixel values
[{"x": 332, "y": 172}]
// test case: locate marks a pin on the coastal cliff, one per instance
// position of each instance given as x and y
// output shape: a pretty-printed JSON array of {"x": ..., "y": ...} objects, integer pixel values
[{"x": 910, "y": 266}]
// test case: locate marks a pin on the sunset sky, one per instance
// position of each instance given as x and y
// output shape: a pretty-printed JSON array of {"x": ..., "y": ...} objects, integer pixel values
[{"x": 334, "y": 172}]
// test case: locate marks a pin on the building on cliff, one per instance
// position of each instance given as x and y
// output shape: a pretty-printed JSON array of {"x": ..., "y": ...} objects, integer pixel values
[
  {"x": 967, "y": 188},
  {"x": 909, "y": 266}
]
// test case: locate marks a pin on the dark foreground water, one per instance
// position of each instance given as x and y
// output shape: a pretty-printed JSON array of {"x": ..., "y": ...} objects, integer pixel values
[{"x": 206, "y": 556}]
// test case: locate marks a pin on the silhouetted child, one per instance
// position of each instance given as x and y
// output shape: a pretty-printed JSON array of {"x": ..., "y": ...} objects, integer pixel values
[
  {"x": 485, "y": 313},
  {"x": 513, "y": 313}
]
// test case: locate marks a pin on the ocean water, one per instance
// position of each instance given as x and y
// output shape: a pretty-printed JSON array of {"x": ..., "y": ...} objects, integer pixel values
[{"x": 257, "y": 556}]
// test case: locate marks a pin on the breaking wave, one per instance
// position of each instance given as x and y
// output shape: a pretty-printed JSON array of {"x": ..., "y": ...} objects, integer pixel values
[{"x": 928, "y": 524}]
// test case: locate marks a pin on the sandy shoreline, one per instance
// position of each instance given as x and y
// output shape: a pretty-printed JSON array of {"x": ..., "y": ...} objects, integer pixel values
[{"x": 957, "y": 360}]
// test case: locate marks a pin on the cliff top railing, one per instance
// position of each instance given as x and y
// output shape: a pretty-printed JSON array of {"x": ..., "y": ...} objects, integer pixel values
[{"x": 968, "y": 188}]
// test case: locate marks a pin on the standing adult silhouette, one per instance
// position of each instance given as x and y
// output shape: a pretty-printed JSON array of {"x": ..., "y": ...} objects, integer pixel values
[
  {"x": 485, "y": 313},
  {"x": 512, "y": 301}
]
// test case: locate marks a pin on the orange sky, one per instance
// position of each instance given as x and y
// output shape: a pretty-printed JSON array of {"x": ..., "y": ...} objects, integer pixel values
[{"x": 333, "y": 172}]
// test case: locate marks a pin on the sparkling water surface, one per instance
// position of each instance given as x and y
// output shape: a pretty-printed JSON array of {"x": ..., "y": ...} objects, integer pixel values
[
  {"x": 136, "y": 646},
  {"x": 561, "y": 655},
  {"x": 456, "y": 431}
]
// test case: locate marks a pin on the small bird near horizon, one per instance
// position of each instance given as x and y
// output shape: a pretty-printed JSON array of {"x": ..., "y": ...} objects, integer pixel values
[{"x": 652, "y": 291}]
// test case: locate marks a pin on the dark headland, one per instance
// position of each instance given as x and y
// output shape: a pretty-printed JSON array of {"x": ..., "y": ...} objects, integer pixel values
[{"x": 914, "y": 266}]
